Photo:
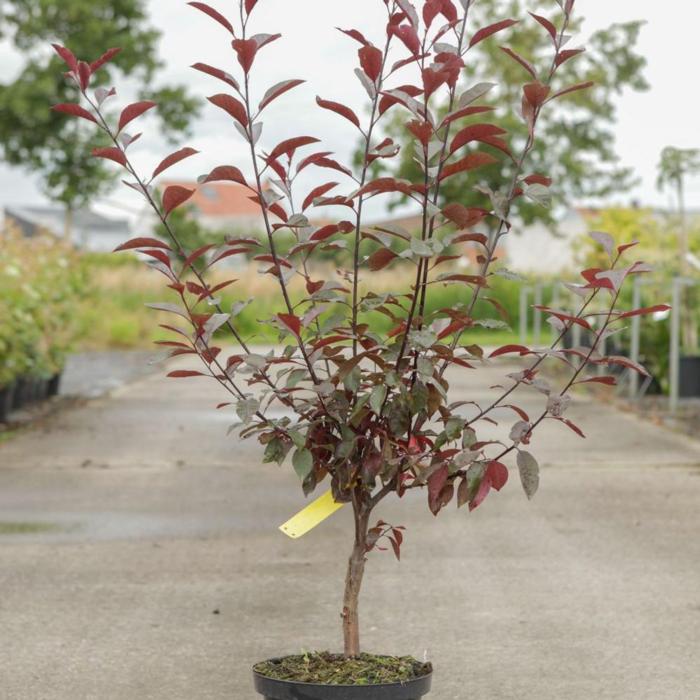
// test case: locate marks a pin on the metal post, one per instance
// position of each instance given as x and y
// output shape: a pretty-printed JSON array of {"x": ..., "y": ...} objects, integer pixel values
[
  {"x": 634, "y": 340},
  {"x": 524, "y": 292},
  {"x": 674, "y": 350},
  {"x": 555, "y": 305},
  {"x": 537, "y": 319}
]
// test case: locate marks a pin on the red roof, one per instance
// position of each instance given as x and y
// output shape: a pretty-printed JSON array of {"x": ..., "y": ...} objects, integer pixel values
[{"x": 224, "y": 199}]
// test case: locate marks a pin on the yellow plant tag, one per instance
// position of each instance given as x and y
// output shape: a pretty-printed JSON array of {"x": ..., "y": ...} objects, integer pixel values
[{"x": 314, "y": 514}]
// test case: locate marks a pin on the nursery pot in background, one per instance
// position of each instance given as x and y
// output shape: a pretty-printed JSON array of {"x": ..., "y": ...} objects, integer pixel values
[
  {"x": 272, "y": 689},
  {"x": 689, "y": 376},
  {"x": 7, "y": 398},
  {"x": 54, "y": 385}
]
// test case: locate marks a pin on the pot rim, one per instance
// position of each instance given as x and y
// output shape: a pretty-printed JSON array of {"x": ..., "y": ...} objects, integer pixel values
[{"x": 398, "y": 684}]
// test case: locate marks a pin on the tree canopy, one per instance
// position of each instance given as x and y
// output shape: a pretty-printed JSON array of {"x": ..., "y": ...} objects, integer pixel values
[
  {"x": 33, "y": 136},
  {"x": 576, "y": 147}
]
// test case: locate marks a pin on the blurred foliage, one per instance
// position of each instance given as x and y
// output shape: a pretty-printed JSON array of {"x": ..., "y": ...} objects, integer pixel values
[
  {"x": 575, "y": 136},
  {"x": 113, "y": 313},
  {"x": 41, "y": 284},
  {"x": 34, "y": 137}
]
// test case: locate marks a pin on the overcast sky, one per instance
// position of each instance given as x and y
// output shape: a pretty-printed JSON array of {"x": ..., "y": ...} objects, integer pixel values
[{"x": 667, "y": 114}]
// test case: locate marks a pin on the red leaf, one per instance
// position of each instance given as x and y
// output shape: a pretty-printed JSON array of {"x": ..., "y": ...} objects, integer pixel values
[
  {"x": 622, "y": 248},
  {"x": 249, "y": 5},
  {"x": 536, "y": 93},
  {"x": 339, "y": 109},
  {"x": 408, "y": 36},
  {"x": 179, "y": 373},
  {"x": 317, "y": 192},
  {"x": 226, "y": 172},
  {"x": 396, "y": 547},
  {"x": 354, "y": 34},
  {"x": 214, "y": 14},
  {"x": 371, "y": 59},
  {"x": 324, "y": 232},
  {"x": 467, "y": 279},
  {"x": 647, "y": 310},
  {"x": 276, "y": 90},
  {"x": 565, "y": 55},
  {"x": 174, "y": 158},
  {"x": 134, "y": 110},
  {"x": 536, "y": 178},
  {"x": 436, "y": 483},
  {"x": 463, "y": 216},
  {"x": 624, "y": 362},
  {"x": 246, "y": 50},
  {"x": 491, "y": 29},
  {"x": 232, "y": 106},
  {"x": 562, "y": 316},
  {"x": 546, "y": 24},
  {"x": 432, "y": 80},
  {"x": 292, "y": 322},
  {"x": 142, "y": 243},
  {"x": 112, "y": 153},
  {"x": 484, "y": 488},
  {"x": 67, "y": 55},
  {"x": 74, "y": 111},
  {"x": 106, "y": 56},
  {"x": 216, "y": 73},
  {"x": 573, "y": 426},
  {"x": 174, "y": 196},
  {"x": 573, "y": 88},
  {"x": 290, "y": 145},
  {"x": 607, "y": 379},
  {"x": 474, "y": 132},
  {"x": 195, "y": 255},
  {"x": 522, "y": 61},
  {"x": 470, "y": 162},
  {"x": 508, "y": 349},
  {"x": 591, "y": 276},
  {"x": 380, "y": 259},
  {"x": 497, "y": 474},
  {"x": 157, "y": 255}
]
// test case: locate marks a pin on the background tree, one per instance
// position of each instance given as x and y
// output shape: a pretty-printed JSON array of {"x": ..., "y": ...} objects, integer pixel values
[
  {"x": 674, "y": 166},
  {"x": 577, "y": 145},
  {"x": 36, "y": 138}
]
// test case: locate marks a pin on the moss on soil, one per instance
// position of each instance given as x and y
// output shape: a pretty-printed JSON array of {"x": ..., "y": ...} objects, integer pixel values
[{"x": 333, "y": 669}]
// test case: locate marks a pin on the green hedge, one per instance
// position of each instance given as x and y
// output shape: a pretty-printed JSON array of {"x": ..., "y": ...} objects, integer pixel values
[{"x": 41, "y": 280}]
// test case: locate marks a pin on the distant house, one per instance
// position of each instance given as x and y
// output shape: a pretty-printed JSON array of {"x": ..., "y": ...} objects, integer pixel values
[
  {"x": 90, "y": 231},
  {"x": 223, "y": 206},
  {"x": 532, "y": 249}
]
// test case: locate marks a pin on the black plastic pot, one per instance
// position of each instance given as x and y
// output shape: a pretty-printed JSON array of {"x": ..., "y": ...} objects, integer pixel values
[
  {"x": 54, "y": 385},
  {"x": 7, "y": 398},
  {"x": 689, "y": 379},
  {"x": 20, "y": 395},
  {"x": 272, "y": 689}
]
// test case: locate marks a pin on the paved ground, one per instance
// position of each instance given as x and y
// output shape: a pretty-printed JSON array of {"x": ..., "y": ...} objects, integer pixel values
[{"x": 162, "y": 574}]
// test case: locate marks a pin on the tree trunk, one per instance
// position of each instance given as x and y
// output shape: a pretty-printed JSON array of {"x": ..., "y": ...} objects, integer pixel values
[{"x": 353, "y": 584}]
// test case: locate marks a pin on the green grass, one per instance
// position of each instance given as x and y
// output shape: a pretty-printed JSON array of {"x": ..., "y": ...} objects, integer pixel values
[{"x": 28, "y": 528}]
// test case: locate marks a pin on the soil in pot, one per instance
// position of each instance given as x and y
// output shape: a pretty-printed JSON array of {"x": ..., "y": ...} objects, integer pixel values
[{"x": 326, "y": 676}]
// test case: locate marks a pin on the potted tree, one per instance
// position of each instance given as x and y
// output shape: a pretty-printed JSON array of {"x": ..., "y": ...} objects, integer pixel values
[{"x": 369, "y": 412}]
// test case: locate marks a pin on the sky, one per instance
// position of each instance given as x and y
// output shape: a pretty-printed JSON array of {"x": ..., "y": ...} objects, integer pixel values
[{"x": 667, "y": 114}]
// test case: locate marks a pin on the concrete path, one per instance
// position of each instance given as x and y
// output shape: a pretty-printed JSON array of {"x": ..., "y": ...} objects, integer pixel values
[{"x": 148, "y": 564}]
